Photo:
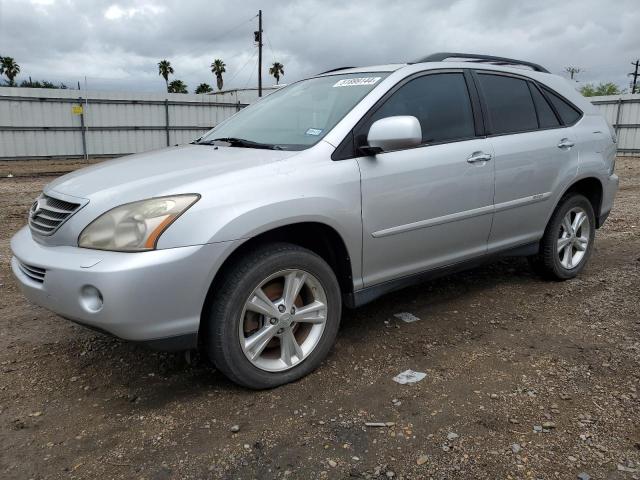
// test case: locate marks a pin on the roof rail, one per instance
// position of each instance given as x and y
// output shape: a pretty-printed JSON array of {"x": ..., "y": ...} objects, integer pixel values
[
  {"x": 335, "y": 70},
  {"x": 441, "y": 56}
]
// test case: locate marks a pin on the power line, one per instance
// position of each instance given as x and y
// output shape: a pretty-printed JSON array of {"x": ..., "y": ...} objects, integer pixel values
[
  {"x": 251, "y": 76},
  {"x": 251, "y": 57},
  {"x": 226, "y": 32}
]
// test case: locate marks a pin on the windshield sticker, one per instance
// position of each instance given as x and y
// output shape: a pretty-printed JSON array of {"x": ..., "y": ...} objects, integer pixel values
[
  {"x": 314, "y": 131},
  {"x": 355, "y": 82}
]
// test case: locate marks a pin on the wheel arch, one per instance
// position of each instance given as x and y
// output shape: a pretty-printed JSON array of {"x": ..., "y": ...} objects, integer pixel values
[
  {"x": 591, "y": 187},
  {"x": 320, "y": 238}
]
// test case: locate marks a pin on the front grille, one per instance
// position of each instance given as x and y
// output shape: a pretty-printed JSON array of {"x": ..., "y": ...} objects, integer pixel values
[
  {"x": 34, "y": 273},
  {"x": 47, "y": 214}
]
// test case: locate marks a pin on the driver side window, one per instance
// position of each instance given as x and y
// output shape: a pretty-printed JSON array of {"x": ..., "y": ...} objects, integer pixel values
[{"x": 439, "y": 101}]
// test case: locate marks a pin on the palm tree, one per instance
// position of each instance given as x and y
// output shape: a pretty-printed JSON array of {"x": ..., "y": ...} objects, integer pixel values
[
  {"x": 165, "y": 69},
  {"x": 218, "y": 68},
  {"x": 276, "y": 70},
  {"x": 177, "y": 86},
  {"x": 204, "y": 88},
  {"x": 10, "y": 68}
]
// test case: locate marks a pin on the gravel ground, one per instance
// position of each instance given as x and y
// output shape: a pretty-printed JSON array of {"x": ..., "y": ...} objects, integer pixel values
[{"x": 525, "y": 379}]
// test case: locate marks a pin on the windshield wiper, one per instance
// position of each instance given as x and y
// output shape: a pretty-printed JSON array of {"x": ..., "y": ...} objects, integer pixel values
[{"x": 241, "y": 142}]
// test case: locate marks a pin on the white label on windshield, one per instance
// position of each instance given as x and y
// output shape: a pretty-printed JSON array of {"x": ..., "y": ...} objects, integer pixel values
[
  {"x": 355, "y": 82},
  {"x": 314, "y": 131}
]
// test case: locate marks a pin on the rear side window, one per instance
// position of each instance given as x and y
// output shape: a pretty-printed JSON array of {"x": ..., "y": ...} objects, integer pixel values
[
  {"x": 509, "y": 104},
  {"x": 439, "y": 101},
  {"x": 546, "y": 117},
  {"x": 567, "y": 112}
]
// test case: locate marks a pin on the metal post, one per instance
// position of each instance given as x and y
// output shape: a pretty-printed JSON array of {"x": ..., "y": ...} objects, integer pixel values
[
  {"x": 82, "y": 129},
  {"x": 166, "y": 119},
  {"x": 259, "y": 53},
  {"x": 618, "y": 117}
]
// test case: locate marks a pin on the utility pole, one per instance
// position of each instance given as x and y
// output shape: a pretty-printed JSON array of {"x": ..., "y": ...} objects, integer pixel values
[
  {"x": 635, "y": 76},
  {"x": 258, "y": 38}
]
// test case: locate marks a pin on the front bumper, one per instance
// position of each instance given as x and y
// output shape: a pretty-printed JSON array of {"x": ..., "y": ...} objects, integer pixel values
[{"x": 146, "y": 296}]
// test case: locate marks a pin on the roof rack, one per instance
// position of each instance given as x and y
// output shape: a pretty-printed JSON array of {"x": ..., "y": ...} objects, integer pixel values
[
  {"x": 335, "y": 70},
  {"x": 441, "y": 56}
]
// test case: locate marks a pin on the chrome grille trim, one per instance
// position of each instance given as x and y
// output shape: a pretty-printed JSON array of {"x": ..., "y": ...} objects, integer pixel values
[
  {"x": 47, "y": 214},
  {"x": 36, "y": 274}
]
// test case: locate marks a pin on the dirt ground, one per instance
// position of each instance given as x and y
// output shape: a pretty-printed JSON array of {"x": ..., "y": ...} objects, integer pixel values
[{"x": 525, "y": 379}]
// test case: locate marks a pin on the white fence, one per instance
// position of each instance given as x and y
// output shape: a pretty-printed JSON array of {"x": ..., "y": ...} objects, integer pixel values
[
  {"x": 623, "y": 112},
  {"x": 45, "y": 123}
]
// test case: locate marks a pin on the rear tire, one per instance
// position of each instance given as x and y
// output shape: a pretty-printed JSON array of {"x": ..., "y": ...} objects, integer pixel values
[
  {"x": 274, "y": 317},
  {"x": 568, "y": 239}
]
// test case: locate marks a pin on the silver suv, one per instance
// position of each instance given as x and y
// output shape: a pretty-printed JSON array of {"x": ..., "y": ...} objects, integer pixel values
[{"x": 331, "y": 191}]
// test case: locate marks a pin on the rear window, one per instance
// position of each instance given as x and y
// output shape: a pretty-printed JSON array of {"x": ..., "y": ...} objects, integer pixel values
[
  {"x": 509, "y": 104},
  {"x": 567, "y": 112},
  {"x": 546, "y": 117}
]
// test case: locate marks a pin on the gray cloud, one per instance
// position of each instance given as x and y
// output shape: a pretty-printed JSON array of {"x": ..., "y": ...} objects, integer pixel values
[{"x": 116, "y": 44}]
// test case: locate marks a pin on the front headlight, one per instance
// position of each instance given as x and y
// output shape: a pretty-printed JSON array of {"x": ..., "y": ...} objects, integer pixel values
[{"x": 135, "y": 227}]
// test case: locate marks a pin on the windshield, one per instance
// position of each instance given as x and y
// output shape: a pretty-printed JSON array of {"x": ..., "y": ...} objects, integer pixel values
[{"x": 297, "y": 116}]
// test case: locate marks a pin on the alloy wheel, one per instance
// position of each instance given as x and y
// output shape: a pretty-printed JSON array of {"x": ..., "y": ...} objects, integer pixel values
[
  {"x": 283, "y": 320},
  {"x": 573, "y": 238}
]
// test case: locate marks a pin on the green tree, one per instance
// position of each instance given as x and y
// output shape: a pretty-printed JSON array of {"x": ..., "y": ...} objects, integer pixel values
[
  {"x": 177, "y": 86},
  {"x": 10, "y": 68},
  {"x": 218, "y": 68},
  {"x": 204, "y": 88},
  {"x": 276, "y": 70},
  {"x": 603, "y": 88},
  {"x": 164, "y": 70}
]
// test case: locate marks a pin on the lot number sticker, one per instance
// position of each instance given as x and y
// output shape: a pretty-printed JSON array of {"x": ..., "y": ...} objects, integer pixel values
[{"x": 356, "y": 82}]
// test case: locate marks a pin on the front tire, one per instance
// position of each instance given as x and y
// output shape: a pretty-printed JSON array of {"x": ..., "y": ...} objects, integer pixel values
[
  {"x": 568, "y": 239},
  {"x": 274, "y": 317}
]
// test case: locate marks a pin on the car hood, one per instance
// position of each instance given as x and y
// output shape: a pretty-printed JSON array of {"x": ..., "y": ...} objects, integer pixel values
[{"x": 160, "y": 172}]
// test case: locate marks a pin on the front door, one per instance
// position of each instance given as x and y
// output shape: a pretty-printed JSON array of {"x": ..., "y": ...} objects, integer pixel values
[{"x": 432, "y": 205}]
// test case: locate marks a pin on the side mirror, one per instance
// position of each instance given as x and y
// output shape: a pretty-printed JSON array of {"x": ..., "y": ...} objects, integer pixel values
[{"x": 393, "y": 133}]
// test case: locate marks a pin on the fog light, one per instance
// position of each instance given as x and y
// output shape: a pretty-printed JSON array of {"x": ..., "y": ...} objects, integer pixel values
[{"x": 91, "y": 298}]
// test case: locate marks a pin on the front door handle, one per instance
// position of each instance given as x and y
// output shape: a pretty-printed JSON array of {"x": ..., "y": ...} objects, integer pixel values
[
  {"x": 479, "y": 157},
  {"x": 566, "y": 143}
]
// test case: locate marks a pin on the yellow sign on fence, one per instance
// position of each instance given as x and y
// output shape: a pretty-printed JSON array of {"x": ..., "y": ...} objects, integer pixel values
[{"x": 76, "y": 109}]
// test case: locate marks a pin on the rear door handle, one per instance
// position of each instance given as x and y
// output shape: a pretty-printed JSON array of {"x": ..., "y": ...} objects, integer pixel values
[
  {"x": 479, "y": 157},
  {"x": 566, "y": 143}
]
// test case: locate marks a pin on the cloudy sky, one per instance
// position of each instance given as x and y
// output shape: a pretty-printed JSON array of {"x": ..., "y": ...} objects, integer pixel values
[{"x": 117, "y": 44}]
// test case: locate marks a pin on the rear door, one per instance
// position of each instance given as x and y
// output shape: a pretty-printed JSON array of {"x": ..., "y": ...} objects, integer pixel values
[
  {"x": 428, "y": 206},
  {"x": 534, "y": 151}
]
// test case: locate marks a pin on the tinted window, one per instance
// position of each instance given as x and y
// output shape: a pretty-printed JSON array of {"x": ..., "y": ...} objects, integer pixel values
[
  {"x": 439, "y": 101},
  {"x": 568, "y": 114},
  {"x": 509, "y": 103},
  {"x": 546, "y": 117}
]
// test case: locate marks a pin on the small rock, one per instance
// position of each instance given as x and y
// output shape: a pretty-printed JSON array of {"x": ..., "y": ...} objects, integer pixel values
[
  {"x": 390, "y": 474},
  {"x": 537, "y": 428},
  {"x": 35, "y": 414},
  {"x": 422, "y": 459},
  {"x": 452, "y": 436},
  {"x": 549, "y": 425},
  {"x": 515, "y": 448},
  {"x": 584, "y": 476},
  {"x": 74, "y": 379},
  {"x": 235, "y": 428},
  {"x": 332, "y": 463},
  {"x": 494, "y": 395},
  {"x": 247, "y": 446}
]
